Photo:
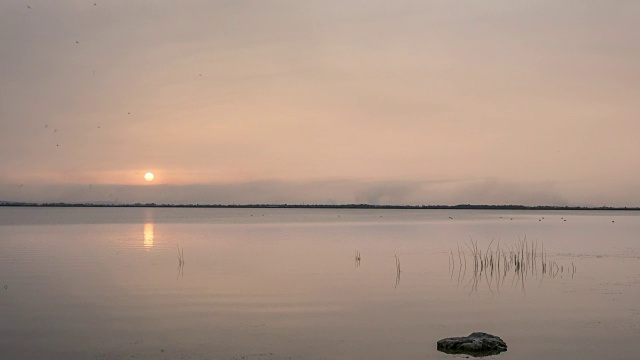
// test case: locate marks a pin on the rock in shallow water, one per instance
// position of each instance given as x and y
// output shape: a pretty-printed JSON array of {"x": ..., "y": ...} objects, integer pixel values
[{"x": 476, "y": 344}]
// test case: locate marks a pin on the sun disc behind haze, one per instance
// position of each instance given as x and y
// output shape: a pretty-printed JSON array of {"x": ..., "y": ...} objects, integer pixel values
[{"x": 149, "y": 176}]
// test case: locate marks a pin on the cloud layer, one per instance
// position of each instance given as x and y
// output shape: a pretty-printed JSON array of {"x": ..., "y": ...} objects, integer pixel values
[{"x": 271, "y": 101}]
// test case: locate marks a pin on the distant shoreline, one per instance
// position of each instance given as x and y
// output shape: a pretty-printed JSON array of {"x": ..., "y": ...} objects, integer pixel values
[{"x": 320, "y": 206}]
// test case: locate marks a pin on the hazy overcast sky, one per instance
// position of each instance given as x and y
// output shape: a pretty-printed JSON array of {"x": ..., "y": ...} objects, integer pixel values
[{"x": 416, "y": 102}]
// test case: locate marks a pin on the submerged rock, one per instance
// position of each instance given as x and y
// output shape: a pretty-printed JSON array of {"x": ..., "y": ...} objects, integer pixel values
[{"x": 476, "y": 344}]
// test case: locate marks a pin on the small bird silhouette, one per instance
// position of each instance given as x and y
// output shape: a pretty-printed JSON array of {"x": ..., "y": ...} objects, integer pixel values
[{"x": 28, "y": 7}]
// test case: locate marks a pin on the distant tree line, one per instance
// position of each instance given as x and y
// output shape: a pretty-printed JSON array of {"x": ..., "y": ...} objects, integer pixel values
[{"x": 321, "y": 206}]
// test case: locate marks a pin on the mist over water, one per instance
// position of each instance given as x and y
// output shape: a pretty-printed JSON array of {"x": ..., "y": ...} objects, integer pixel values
[{"x": 388, "y": 192}]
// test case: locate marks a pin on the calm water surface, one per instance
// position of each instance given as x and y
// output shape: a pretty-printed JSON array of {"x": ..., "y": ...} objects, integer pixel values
[{"x": 106, "y": 283}]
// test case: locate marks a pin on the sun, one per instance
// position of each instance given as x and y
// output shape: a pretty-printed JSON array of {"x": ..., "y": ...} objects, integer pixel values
[{"x": 149, "y": 176}]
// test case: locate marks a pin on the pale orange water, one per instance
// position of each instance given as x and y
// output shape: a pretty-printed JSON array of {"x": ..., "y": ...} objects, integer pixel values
[{"x": 105, "y": 283}]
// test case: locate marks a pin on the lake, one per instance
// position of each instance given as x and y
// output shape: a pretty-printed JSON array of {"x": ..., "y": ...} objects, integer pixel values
[{"x": 266, "y": 284}]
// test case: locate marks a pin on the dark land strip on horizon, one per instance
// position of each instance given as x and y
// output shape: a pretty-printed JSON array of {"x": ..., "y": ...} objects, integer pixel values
[{"x": 318, "y": 206}]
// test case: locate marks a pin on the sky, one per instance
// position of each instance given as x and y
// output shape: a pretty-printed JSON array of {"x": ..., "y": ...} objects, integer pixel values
[{"x": 321, "y": 101}]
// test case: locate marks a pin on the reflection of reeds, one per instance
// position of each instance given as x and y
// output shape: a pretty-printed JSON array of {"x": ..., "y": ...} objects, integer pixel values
[
  {"x": 398, "y": 271},
  {"x": 495, "y": 263}
]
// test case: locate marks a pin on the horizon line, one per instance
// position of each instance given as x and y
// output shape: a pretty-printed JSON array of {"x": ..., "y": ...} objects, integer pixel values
[{"x": 317, "y": 206}]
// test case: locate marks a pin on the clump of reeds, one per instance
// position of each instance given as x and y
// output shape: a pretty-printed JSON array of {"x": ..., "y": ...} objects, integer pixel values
[
  {"x": 358, "y": 258},
  {"x": 180, "y": 262},
  {"x": 524, "y": 259},
  {"x": 180, "y": 256}
]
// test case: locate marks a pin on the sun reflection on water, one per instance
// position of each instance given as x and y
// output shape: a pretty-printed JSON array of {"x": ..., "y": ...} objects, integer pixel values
[{"x": 148, "y": 235}]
